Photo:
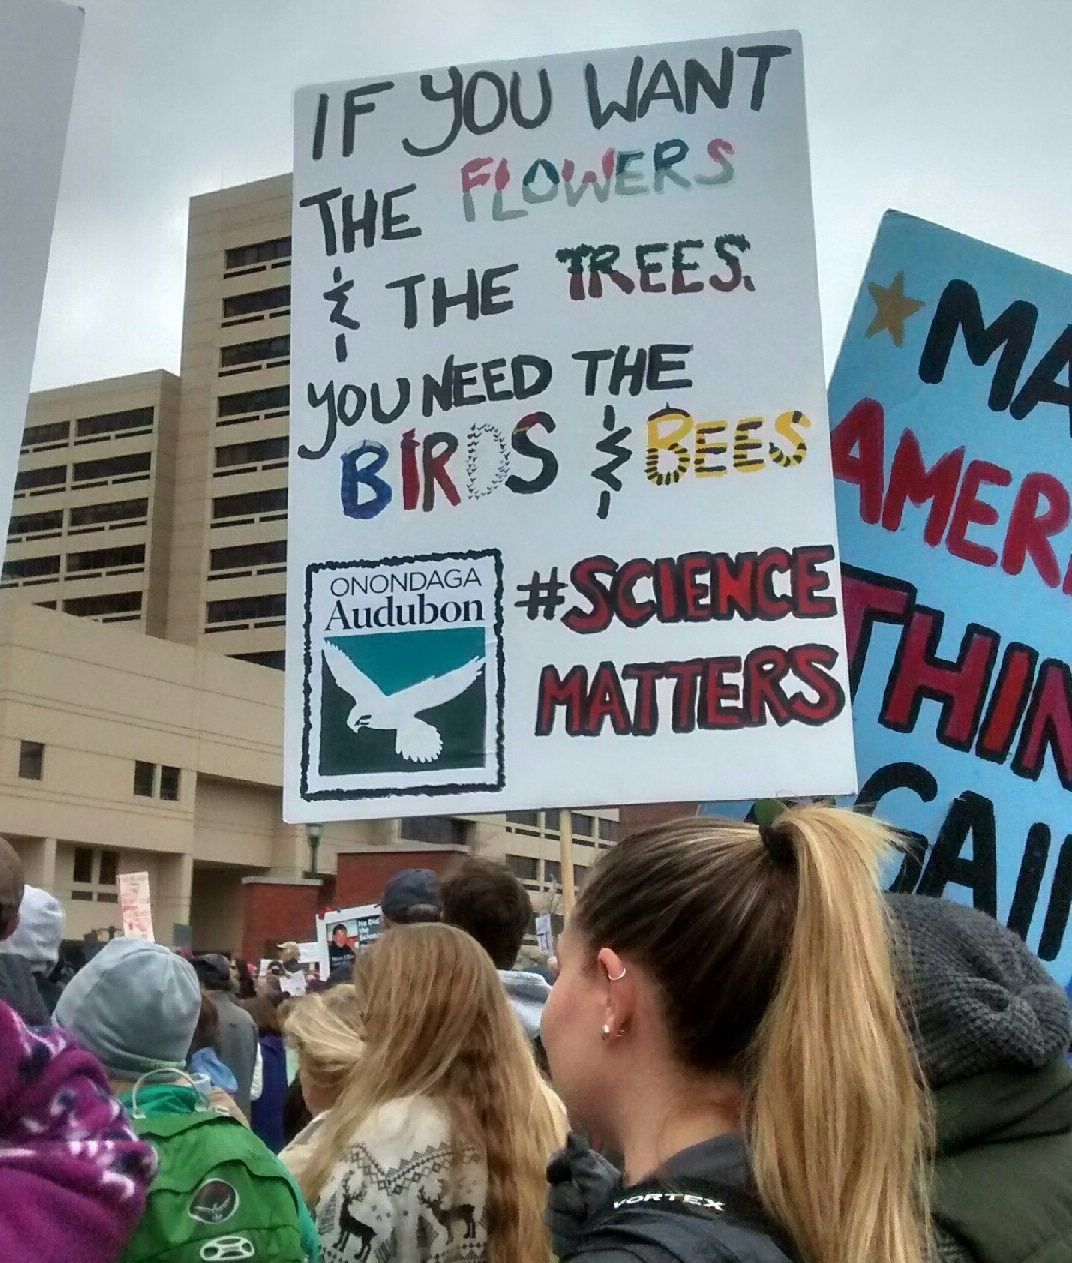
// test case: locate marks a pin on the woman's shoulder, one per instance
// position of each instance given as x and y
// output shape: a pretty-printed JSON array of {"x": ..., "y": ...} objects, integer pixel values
[{"x": 407, "y": 1124}]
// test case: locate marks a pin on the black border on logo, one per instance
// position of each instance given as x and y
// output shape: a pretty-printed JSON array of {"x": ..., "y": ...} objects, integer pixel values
[{"x": 355, "y": 795}]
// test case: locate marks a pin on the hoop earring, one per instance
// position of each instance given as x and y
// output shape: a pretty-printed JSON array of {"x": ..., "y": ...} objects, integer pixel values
[{"x": 617, "y": 977}]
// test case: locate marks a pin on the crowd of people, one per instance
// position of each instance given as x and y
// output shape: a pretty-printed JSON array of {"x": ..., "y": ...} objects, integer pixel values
[{"x": 749, "y": 1054}]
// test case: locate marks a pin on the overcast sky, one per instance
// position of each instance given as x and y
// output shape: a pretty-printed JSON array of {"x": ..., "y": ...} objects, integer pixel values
[{"x": 955, "y": 110}]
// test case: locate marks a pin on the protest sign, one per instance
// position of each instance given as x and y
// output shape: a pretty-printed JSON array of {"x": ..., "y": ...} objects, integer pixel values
[
  {"x": 136, "y": 906},
  {"x": 341, "y": 932},
  {"x": 38, "y": 58},
  {"x": 544, "y": 934},
  {"x": 952, "y": 446},
  {"x": 559, "y": 478}
]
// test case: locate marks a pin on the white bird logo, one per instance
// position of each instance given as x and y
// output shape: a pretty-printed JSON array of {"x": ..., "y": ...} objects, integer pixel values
[{"x": 415, "y": 740}]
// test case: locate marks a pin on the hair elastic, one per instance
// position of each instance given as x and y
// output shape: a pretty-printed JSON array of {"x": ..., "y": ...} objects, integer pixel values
[{"x": 778, "y": 844}]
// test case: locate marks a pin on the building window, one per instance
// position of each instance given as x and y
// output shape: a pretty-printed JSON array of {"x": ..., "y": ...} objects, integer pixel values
[
  {"x": 525, "y": 867},
  {"x": 98, "y": 560},
  {"x": 110, "y": 603},
  {"x": 256, "y": 453},
  {"x": 29, "y": 568},
  {"x": 114, "y": 423},
  {"x": 83, "y": 865},
  {"x": 527, "y": 822},
  {"x": 250, "y": 504},
  {"x": 268, "y": 399},
  {"x": 272, "y": 553},
  {"x": 433, "y": 830},
  {"x": 260, "y": 252},
  {"x": 109, "y": 868},
  {"x": 144, "y": 779},
  {"x": 245, "y": 609},
  {"x": 258, "y": 352},
  {"x": 170, "y": 778},
  {"x": 31, "y": 760},
  {"x": 35, "y": 479},
  {"x": 133, "y": 511},
  {"x": 136, "y": 465},
  {"x": 277, "y": 298},
  {"x": 608, "y": 830},
  {"x": 43, "y": 524},
  {"x": 273, "y": 658},
  {"x": 583, "y": 826},
  {"x": 54, "y": 434},
  {"x": 552, "y": 873}
]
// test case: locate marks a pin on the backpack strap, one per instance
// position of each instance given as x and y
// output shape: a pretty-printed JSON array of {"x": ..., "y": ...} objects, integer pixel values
[{"x": 696, "y": 1199}]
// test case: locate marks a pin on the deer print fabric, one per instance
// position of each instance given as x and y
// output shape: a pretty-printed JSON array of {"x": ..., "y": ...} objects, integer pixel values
[{"x": 396, "y": 1196}]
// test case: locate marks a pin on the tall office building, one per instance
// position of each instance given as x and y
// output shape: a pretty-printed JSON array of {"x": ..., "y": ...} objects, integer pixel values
[{"x": 161, "y": 503}]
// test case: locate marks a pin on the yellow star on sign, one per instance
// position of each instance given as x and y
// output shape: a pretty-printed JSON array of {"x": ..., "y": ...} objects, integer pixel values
[{"x": 892, "y": 309}]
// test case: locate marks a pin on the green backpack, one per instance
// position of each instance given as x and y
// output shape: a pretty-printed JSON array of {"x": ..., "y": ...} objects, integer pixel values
[{"x": 220, "y": 1195}]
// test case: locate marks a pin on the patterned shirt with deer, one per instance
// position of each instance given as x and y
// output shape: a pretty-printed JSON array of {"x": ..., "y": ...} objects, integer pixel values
[{"x": 397, "y": 1196}]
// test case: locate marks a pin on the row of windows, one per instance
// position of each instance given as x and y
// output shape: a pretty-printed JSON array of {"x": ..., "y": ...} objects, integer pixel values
[
  {"x": 268, "y": 399},
  {"x": 150, "y": 781},
  {"x": 261, "y": 351},
  {"x": 526, "y": 868},
  {"x": 259, "y": 252},
  {"x": 249, "y": 556},
  {"x": 250, "y": 504},
  {"x": 435, "y": 830},
  {"x": 258, "y": 452},
  {"x": 136, "y": 464},
  {"x": 94, "y": 560},
  {"x": 57, "y": 433},
  {"x": 25, "y": 525},
  {"x": 275, "y": 299},
  {"x": 245, "y": 609},
  {"x": 540, "y": 822},
  {"x": 101, "y": 606}
]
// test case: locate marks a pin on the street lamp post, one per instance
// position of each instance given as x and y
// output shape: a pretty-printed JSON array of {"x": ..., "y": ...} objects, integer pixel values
[{"x": 313, "y": 834}]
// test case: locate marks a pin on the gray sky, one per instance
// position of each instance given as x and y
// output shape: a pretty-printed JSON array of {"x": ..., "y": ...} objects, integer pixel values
[{"x": 955, "y": 110}]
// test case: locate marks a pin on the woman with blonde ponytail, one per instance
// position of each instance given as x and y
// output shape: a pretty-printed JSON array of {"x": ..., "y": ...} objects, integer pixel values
[
  {"x": 726, "y": 1017},
  {"x": 435, "y": 1146}
]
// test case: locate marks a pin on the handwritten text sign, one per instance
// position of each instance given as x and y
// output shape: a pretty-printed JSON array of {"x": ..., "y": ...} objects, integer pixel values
[
  {"x": 38, "y": 59},
  {"x": 561, "y": 515},
  {"x": 953, "y": 409},
  {"x": 136, "y": 906}
]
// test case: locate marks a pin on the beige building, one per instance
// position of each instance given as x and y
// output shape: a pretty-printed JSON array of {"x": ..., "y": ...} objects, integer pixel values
[{"x": 161, "y": 503}]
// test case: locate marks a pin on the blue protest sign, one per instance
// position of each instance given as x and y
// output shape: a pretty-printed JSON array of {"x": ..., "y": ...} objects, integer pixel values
[
  {"x": 953, "y": 451},
  {"x": 951, "y": 415}
]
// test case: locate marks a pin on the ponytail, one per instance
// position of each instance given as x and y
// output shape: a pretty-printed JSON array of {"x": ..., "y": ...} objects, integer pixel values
[{"x": 839, "y": 1127}]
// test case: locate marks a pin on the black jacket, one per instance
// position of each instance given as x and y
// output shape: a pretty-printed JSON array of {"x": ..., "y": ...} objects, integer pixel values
[{"x": 641, "y": 1226}]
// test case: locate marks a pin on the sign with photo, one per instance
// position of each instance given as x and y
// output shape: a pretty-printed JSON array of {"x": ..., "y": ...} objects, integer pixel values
[
  {"x": 561, "y": 505},
  {"x": 342, "y": 933}
]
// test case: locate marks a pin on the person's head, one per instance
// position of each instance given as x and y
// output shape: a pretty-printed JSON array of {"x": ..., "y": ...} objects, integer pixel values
[
  {"x": 978, "y": 999},
  {"x": 214, "y": 972},
  {"x": 11, "y": 888},
  {"x": 289, "y": 951},
  {"x": 265, "y": 1012},
  {"x": 207, "y": 1030},
  {"x": 135, "y": 1006},
  {"x": 242, "y": 978},
  {"x": 713, "y": 971},
  {"x": 340, "y": 935},
  {"x": 487, "y": 901},
  {"x": 38, "y": 932},
  {"x": 325, "y": 1031},
  {"x": 436, "y": 1022},
  {"x": 411, "y": 897}
]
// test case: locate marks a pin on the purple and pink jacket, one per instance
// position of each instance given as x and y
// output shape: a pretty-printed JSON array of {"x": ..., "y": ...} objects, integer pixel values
[{"x": 74, "y": 1177}]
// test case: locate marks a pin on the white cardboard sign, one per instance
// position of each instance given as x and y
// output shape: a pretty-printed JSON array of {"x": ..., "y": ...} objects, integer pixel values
[
  {"x": 38, "y": 60},
  {"x": 561, "y": 509},
  {"x": 135, "y": 903}
]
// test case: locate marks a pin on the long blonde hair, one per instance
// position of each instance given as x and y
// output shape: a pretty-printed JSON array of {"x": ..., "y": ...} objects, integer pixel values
[
  {"x": 436, "y": 1022},
  {"x": 772, "y": 951},
  {"x": 326, "y": 1032}
]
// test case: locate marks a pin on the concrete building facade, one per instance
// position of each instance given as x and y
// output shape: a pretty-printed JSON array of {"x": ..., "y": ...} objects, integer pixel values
[{"x": 161, "y": 503}]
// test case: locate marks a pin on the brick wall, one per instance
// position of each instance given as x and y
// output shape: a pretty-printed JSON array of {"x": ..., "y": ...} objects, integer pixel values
[
  {"x": 641, "y": 817},
  {"x": 274, "y": 912},
  {"x": 362, "y": 875}
]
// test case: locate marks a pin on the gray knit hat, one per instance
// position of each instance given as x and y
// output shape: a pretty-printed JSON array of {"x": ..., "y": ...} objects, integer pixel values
[{"x": 979, "y": 999}]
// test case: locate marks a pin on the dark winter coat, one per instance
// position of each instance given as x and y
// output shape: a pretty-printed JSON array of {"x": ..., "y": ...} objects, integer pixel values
[{"x": 266, "y": 1117}]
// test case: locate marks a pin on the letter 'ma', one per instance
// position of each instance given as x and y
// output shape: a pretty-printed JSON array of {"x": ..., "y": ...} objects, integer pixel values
[{"x": 959, "y": 311}]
